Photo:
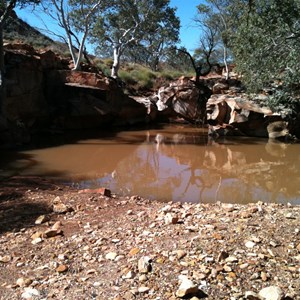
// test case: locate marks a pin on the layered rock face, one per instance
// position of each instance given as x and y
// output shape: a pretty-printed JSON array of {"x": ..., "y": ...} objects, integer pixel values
[
  {"x": 237, "y": 115},
  {"x": 183, "y": 98},
  {"x": 43, "y": 93}
]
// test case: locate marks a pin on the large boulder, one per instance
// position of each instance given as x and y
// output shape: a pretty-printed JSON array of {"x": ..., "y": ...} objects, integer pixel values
[
  {"x": 182, "y": 97},
  {"x": 238, "y": 115}
]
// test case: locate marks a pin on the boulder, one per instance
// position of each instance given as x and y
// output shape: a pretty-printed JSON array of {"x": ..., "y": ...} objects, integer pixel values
[
  {"x": 182, "y": 97},
  {"x": 238, "y": 115}
]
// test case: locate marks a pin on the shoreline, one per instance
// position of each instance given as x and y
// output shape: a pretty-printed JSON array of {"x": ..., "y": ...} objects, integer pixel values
[{"x": 90, "y": 246}]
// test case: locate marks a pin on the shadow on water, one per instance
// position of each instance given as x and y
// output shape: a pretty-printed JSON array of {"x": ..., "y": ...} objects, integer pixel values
[{"x": 170, "y": 163}]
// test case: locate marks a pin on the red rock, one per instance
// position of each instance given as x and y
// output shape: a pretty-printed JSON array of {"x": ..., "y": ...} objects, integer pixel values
[{"x": 102, "y": 191}]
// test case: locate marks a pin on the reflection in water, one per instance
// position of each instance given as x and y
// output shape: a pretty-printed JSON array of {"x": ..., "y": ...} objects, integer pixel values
[{"x": 176, "y": 163}]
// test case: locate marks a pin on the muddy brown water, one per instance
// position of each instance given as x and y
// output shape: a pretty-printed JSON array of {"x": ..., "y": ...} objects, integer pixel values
[{"x": 172, "y": 163}]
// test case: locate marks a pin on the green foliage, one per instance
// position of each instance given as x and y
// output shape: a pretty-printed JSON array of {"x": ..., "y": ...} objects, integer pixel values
[
  {"x": 264, "y": 38},
  {"x": 267, "y": 49},
  {"x": 104, "y": 65},
  {"x": 141, "y": 76},
  {"x": 137, "y": 30}
]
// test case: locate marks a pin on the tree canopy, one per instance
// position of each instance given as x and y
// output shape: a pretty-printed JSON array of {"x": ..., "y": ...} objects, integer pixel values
[
  {"x": 264, "y": 37},
  {"x": 144, "y": 24}
]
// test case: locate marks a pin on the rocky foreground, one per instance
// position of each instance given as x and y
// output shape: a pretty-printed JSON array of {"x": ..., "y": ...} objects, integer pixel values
[{"x": 58, "y": 243}]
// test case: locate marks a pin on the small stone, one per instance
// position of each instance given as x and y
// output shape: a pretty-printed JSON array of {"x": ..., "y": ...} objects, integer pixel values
[
  {"x": 171, "y": 219},
  {"x": 42, "y": 219},
  {"x": 231, "y": 259},
  {"x": 56, "y": 225},
  {"x": 102, "y": 191},
  {"x": 180, "y": 254},
  {"x": 30, "y": 294},
  {"x": 250, "y": 244},
  {"x": 244, "y": 266},
  {"x": 111, "y": 255},
  {"x": 227, "y": 268},
  {"x": 271, "y": 293},
  {"x": 36, "y": 241},
  {"x": 143, "y": 289},
  {"x": 23, "y": 282},
  {"x": 298, "y": 247},
  {"x": 143, "y": 278},
  {"x": 264, "y": 276},
  {"x": 5, "y": 259},
  {"x": 59, "y": 207},
  {"x": 144, "y": 265},
  {"x": 187, "y": 287},
  {"x": 52, "y": 233},
  {"x": 37, "y": 235},
  {"x": 290, "y": 216},
  {"x": 273, "y": 244},
  {"x": 62, "y": 269},
  {"x": 134, "y": 251}
]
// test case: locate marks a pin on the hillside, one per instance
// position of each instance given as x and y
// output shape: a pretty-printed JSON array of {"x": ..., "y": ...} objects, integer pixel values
[{"x": 16, "y": 30}]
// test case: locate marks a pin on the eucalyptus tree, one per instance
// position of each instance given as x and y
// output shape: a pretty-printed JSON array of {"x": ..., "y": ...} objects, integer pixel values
[
  {"x": 157, "y": 41},
  {"x": 267, "y": 44},
  {"x": 130, "y": 23},
  {"x": 75, "y": 18},
  {"x": 217, "y": 15},
  {"x": 6, "y": 8},
  {"x": 264, "y": 37}
]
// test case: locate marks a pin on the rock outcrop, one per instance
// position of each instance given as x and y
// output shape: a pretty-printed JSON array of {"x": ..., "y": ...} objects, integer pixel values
[
  {"x": 182, "y": 98},
  {"x": 238, "y": 115},
  {"x": 43, "y": 93}
]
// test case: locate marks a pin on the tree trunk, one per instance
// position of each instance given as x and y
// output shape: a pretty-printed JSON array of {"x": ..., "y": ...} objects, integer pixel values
[
  {"x": 116, "y": 64},
  {"x": 225, "y": 62}
]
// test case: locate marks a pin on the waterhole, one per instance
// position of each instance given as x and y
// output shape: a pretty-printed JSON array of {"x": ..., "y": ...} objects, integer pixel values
[{"x": 170, "y": 163}]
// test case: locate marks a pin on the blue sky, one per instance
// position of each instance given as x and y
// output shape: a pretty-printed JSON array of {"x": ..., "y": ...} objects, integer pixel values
[{"x": 186, "y": 10}]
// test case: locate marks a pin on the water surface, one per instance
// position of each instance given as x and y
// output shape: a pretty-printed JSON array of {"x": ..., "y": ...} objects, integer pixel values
[{"x": 173, "y": 163}]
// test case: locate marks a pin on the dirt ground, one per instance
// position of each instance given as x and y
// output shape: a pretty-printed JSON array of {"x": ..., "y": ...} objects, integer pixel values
[{"x": 61, "y": 243}]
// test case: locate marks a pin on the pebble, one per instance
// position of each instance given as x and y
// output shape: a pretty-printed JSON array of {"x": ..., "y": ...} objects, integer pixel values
[
  {"x": 62, "y": 269},
  {"x": 180, "y": 254},
  {"x": 171, "y": 219},
  {"x": 144, "y": 265},
  {"x": 271, "y": 293},
  {"x": 187, "y": 287},
  {"x": 49, "y": 233},
  {"x": 24, "y": 282},
  {"x": 42, "y": 219},
  {"x": 30, "y": 293},
  {"x": 250, "y": 244},
  {"x": 143, "y": 289},
  {"x": 5, "y": 259},
  {"x": 111, "y": 255}
]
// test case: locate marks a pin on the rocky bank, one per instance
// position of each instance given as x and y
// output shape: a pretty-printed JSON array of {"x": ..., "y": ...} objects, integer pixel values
[{"x": 59, "y": 243}]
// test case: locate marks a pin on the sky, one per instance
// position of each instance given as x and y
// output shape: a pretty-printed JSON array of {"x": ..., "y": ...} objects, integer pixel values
[{"x": 186, "y": 11}]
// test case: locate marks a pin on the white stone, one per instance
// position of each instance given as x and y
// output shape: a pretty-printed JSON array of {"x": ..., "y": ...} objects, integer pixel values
[
  {"x": 143, "y": 289},
  {"x": 271, "y": 293},
  {"x": 250, "y": 244},
  {"x": 111, "y": 255},
  {"x": 30, "y": 293},
  {"x": 144, "y": 264},
  {"x": 186, "y": 287}
]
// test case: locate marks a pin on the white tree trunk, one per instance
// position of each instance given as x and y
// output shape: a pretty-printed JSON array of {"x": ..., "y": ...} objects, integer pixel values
[
  {"x": 116, "y": 64},
  {"x": 225, "y": 62}
]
